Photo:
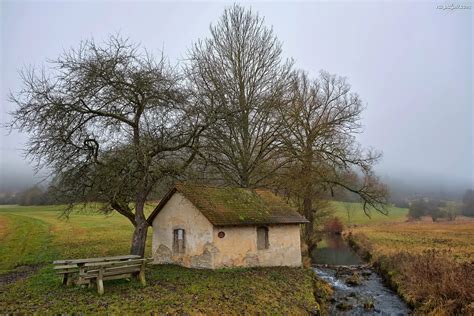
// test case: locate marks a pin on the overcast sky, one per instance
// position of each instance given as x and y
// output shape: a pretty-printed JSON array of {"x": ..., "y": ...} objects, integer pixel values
[{"x": 410, "y": 62}]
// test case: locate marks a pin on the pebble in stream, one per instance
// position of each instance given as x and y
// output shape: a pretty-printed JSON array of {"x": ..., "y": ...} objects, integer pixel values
[{"x": 369, "y": 297}]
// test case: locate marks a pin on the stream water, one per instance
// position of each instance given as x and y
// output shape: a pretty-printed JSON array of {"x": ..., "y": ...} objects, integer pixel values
[{"x": 358, "y": 290}]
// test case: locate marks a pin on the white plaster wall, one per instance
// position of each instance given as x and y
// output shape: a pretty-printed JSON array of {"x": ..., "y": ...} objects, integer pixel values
[
  {"x": 285, "y": 247},
  {"x": 179, "y": 212},
  {"x": 204, "y": 249},
  {"x": 239, "y": 246}
]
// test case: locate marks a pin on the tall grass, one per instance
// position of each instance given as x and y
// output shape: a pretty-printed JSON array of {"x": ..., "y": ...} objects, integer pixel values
[{"x": 432, "y": 281}]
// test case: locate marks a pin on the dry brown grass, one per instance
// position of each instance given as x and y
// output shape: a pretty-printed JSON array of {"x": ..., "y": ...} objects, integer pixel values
[
  {"x": 432, "y": 281},
  {"x": 430, "y": 264},
  {"x": 455, "y": 237}
]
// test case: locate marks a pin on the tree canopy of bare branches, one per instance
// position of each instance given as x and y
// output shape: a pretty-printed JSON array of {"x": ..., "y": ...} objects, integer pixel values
[
  {"x": 239, "y": 72},
  {"x": 318, "y": 137},
  {"x": 110, "y": 121}
]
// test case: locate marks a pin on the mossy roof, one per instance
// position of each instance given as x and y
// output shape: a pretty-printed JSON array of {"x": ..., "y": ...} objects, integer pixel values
[{"x": 229, "y": 206}]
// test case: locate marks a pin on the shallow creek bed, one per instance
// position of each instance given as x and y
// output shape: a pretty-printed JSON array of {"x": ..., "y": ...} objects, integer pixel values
[{"x": 358, "y": 290}]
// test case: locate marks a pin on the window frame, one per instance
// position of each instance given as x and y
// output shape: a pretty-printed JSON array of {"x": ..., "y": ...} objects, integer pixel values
[
  {"x": 179, "y": 245},
  {"x": 265, "y": 236}
]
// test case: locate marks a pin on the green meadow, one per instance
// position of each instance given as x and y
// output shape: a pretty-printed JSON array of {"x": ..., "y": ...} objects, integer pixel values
[
  {"x": 353, "y": 214},
  {"x": 32, "y": 237},
  {"x": 41, "y": 234}
]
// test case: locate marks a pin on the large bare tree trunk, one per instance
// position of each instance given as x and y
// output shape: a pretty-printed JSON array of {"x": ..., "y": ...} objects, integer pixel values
[
  {"x": 309, "y": 230},
  {"x": 140, "y": 233},
  {"x": 139, "y": 239},
  {"x": 308, "y": 201}
]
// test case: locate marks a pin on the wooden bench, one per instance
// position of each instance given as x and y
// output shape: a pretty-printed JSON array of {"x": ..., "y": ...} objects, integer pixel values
[
  {"x": 101, "y": 271},
  {"x": 73, "y": 270}
]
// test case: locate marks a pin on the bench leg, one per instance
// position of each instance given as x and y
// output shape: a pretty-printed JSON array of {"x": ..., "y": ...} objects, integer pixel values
[
  {"x": 69, "y": 281},
  {"x": 141, "y": 277},
  {"x": 100, "y": 286},
  {"x": 100, "y": 283},
  {"x": 65, "y": 277}
]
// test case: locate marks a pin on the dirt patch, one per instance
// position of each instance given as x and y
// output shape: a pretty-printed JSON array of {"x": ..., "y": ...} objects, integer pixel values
[{"x": 19, "y": 273}]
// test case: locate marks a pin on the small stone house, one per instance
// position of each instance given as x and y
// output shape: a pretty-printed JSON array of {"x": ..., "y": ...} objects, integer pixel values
[{"x": 213, "y": 227}]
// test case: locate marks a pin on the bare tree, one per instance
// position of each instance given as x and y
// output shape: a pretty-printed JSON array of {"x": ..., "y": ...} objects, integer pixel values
[
  {"x": 110, "y": 121},
  {"x": 319, "y": 140},
  {"x": 239, "y": 72}
]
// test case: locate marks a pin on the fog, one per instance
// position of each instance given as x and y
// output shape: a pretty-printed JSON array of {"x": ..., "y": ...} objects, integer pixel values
[{"x": 411, "y": 63}]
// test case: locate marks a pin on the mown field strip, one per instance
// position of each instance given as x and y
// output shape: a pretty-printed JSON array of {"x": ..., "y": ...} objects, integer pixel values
[{"x": 25, "y": 241}]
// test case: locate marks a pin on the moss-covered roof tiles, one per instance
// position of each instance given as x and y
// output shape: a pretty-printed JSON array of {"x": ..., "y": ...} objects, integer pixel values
[{"x": 227, "y": 206}]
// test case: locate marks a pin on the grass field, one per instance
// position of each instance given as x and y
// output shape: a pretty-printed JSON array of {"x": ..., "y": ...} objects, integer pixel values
[
  {"x": 353, "y": 214},
  {"x": 456, "y": 238},
  {"x": 430, "y": 263},
  {"x": 38, "y": 234},
  {"x": 32, "y": 237}
]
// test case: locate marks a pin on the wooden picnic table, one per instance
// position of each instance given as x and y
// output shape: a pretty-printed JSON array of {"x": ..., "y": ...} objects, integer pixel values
[
  {"x": 112, "y": 270},
  {"x": 100, "y": 259},
  {"x": 72, "y": 267}
]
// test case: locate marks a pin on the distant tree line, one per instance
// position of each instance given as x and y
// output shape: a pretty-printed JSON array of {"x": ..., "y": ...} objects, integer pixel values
[
  {"x": 468, "y": 203},
  {"x": 437, "y": 209},
  {"x": 31, "y": 196}
]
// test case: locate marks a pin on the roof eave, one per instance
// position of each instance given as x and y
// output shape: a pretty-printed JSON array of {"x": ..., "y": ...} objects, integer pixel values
[{"x": 260, "y": 223}]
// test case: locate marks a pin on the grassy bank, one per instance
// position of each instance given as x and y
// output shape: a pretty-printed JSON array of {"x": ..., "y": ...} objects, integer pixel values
[
  {"x": 430, "y": 264},
  {"x": 35, "y": 236},
  {"x": 172, "y": 289}
]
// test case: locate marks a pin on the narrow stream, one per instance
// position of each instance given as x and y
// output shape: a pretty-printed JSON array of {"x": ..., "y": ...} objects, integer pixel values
[{"x": 358, "y": 290}]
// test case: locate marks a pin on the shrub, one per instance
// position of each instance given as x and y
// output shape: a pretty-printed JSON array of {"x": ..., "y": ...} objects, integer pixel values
[
  {"x": 435, "y": 213},
  {"x": 468, "y": 203},
  {"x": 334, "y": 225},
  {"x": 418, "y": 209}
]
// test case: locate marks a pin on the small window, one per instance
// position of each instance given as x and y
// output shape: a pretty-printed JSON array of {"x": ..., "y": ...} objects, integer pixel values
[
  {"x": 262, "y": 238},
  {"x": 178, "y": 241}
]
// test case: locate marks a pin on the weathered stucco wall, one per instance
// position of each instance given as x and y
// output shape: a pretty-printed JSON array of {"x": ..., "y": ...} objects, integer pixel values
[
  {"x": 205, "y": 249},
  {"x": 239, "y": 246},
  {"x": 179, "y": 213}
]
